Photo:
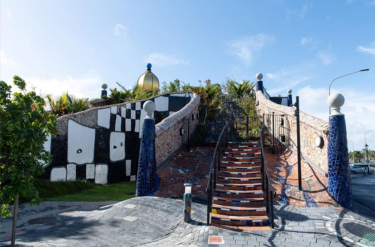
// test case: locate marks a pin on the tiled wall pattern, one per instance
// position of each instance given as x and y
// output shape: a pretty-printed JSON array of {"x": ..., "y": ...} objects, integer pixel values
[
  {"x": 339, "y": 181},
  {"x": 146, "y": 179},
  {"x": 310, "y": 127},
  {"x": 102, "y": 144}
]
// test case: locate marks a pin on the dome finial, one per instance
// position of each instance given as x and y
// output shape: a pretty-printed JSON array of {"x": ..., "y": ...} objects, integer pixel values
[{"x": 149, "y": 66}]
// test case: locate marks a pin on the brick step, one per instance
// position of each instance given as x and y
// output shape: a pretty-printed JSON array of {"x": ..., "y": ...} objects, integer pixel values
[
  {"x": 239, "y": 193},
  {"x": 239, "y": 220},
  {"x": 239, "y": 202},
  {"x": 243, "y": 228},
  {"x": 240, "y": 155},
  {"x": 232, "y": 186},
  {"x": 251, "y": 180},
  {"x": 242, "y": 146},
  {"x": 239, "y": 174},
  {"x": 243, "y": 143},
  {"x": 243, "y": 150},
  {"x": 238, "y": 211},
  {"x": 240, "y": 163},
  {"x": 241, "y": 168}
]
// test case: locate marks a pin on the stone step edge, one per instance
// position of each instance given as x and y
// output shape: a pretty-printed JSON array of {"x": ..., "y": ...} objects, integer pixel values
[{"x": 239, "y": 209}]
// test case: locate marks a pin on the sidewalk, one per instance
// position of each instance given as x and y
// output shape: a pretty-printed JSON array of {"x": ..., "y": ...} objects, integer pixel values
[{"x": 154, "y": 221}]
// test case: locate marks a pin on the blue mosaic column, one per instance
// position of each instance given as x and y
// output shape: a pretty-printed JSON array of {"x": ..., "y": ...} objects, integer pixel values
[
  {"x": 146, "y": 177},
  {"x": 339, "y": 181},
  {"x": 259, "y": 84}
]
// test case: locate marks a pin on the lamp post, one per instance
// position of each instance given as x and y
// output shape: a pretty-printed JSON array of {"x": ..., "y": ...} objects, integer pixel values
[
  {"x": 366, "y": 148},
  {"x": 329, "y": 89},
  {"x": 187, "y": 199}
]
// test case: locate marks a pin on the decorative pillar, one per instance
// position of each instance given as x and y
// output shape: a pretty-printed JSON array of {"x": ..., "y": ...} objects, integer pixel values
[
  {"x": 104, "y": 91},
  {"x": 290, "y": 99},
  {"x": 146, "y": 178},
  {"x": 259, "y": 85},
  {"x": 339, "y": 181}
]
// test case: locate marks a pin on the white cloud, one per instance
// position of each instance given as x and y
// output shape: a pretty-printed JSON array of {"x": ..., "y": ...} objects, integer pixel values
[
  {"x": 359, "y": 110},
  {"x": 325, "y": 57},
  {"x": 305, "y": 41},
  {"x": 289, "y": 84},
  {"x": 4, "y": 60},
  {"x": 163, "y": 60},
  {"x": 86, "y": 86},
  {"x": 249, "y": 46},
  {"x": 370, "y": 3},
  {"x": 369, "y": 50},
  {"x": 298, "y": 13},
  {"x": 120, "y": 29},
  {"x": 288, "y": 78},
  {"x": 9, "y": 15}
]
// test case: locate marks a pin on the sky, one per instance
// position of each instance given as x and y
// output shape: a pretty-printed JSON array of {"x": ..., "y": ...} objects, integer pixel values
[{"x": 77, "y": 46}]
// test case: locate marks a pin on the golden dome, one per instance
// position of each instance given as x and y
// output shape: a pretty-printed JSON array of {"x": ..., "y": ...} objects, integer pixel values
[{"x": 148, "y": 81}]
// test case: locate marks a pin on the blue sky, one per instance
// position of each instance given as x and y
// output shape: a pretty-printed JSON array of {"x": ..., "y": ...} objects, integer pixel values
[{"x": 77, "y": 46}]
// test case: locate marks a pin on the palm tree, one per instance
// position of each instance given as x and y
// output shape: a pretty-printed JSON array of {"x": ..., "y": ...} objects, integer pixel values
[
  {"x": 66, "y": 104},
  {"x": 76, "y": 104}
]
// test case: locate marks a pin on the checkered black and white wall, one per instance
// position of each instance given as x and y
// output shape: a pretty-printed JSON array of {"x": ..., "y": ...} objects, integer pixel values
[{"x": 102, "y": 144}]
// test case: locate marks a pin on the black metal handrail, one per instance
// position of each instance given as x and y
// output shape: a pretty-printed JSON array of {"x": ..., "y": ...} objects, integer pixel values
[
  {"x": 266, "y": 181},
  {"x": 215, "y": 165}
]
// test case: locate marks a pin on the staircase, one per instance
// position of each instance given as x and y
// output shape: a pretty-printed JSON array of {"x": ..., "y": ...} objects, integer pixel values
[{"x": 238, "y": 200}]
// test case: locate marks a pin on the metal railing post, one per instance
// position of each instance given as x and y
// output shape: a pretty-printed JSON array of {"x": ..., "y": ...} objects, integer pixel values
[
  {"x": 273, "y": 129},
  {"x": 267, "y": 198},
  {"x": 208, "y": 206},
  {"x": 247, "y": 128},
  {"x": 298, "y": 146},
  {"x": 272, "y": 220},
  {"x": 215, "y": 168},
  {"x": 188, "y": 144}
]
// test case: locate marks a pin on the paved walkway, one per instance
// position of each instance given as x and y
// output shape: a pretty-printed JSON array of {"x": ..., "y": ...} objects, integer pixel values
[
  {"x": 363, "y": 190},
  {"x": 154, "y": 221}
]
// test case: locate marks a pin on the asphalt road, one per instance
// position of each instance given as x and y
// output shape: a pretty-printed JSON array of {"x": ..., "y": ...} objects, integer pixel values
[{"x": 363, "y": 187}]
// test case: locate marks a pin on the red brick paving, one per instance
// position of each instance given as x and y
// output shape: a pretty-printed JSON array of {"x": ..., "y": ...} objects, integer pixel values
[
  {"x": 184, "y": 167},
  {"x": 318, "y": 182}
]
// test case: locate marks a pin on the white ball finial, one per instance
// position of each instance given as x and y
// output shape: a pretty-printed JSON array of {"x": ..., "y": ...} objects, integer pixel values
[
  {"x": 149, "y": 107},
  {"x": 259, "y": 76},
  {"x": 335, "y": 101},
  {"x": 104, "y": 86},
  {"x": 290, "y": 91}
]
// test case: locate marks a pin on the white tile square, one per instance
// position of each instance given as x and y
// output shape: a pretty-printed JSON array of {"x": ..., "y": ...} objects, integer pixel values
[
  {"x": 114, "y": 109},
  {"x": 128, "y": 125},
  {"x": 130, "y": 218},
  {"x": 128, "y": 167}
]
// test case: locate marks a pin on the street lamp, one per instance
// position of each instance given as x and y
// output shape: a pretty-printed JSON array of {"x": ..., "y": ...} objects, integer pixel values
[
  {"x": 329, "y": 89},
  {"x": 366, "y": 148}
]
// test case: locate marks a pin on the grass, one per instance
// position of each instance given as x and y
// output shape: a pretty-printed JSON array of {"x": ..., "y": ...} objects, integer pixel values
[{"x": 82, "y": 191}]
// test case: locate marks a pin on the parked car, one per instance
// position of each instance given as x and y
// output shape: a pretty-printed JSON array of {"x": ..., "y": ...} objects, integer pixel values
[
  {"x": 358, "y": 168},
  {"x": 361, "y": 168}
]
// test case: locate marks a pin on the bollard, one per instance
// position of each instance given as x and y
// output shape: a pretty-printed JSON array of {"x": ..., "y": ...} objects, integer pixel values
[{"x": 187, "y": 199}]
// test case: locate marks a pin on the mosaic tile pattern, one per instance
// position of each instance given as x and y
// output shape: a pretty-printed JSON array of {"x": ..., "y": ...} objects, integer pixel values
[
  {"x": 339, "y": 181},
  {"x": 147, "y": 179}
]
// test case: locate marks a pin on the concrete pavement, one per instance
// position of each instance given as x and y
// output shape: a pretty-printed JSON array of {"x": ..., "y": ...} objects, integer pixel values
[
  {"x": 363, "y": 187},
  {"x": 153, "y": 221}
]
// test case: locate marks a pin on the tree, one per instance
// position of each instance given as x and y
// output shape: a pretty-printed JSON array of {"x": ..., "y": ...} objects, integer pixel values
[
  {"x": 66, "y": 104},
  {"x": 24, "y": 128}
]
